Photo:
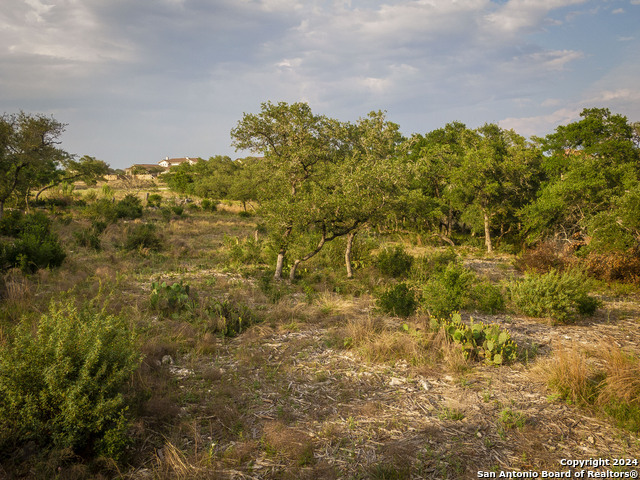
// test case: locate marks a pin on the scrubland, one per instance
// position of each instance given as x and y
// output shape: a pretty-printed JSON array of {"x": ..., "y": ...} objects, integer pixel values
[{"x": 231, "y": 374}]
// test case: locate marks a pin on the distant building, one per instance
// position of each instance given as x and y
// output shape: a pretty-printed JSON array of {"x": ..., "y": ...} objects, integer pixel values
[
  {"x": 144, "y": 169},
  {"x": 174, "y": 162}
]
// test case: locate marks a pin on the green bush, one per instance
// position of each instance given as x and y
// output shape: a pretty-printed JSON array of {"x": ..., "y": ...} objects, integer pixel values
[
  {"x": 143, "y": 236},
  {"x": 487, "y": 298},
  {"x": 209, "y": 205},
  {"x": 448, "y": 290},
  {"x": 228, "y": 318},
  {"x": 398, "y": 300},
  {"x": 426, "y": 266},
  {"x": 394, "y": 262},
  {"x": 130, "y": 207},
  {"x": 90, "y": 237},
  {"x": 62, "y": 386},
  {"x": 244, "y": 251},
  {"x": 11, "y": 223},
  {"x": 103, "y": 209},
  {"x": 154, "y": 200},
  {"x": 177, "y": 210},
  {"x": 34, "y": 247},
  {"x": 87, "y": 238},
  {"x": 560, "y": 296}
]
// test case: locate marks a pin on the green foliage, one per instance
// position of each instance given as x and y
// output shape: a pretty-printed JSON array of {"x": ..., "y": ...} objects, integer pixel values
[
  {"x": 510, "y": 419},
  {"x": 178, "y": 210},
  {"x": 87, "y": 238},
  {"x": 209, "y": 205},
  {"x": 130, "y": 207},
  {"x": 143, "y": 236},
  {"x": 479, "y": 341},
  {"x": 90, "y": 237},
  {"x": 63, "y": 385},
  {"x": 273, "y": 289},
  {"x": 399, "y": 300},
  {"x": 590, "y": 165},
  {"x": 435, "y": 263},
  {"x": 169, "y": 298},
  {"x": 243, "y": 251},
  {"x": 29, "y": 154},
  {"x": 560, "y": 296},
  {"x": 103, "y": 209},
  {"x": 394, "y": 262},
  {"x": 154, "y": 200},
  {"x": 34, "y": 246},
  {"x": 230, "y": 319},
  {"x": 487, "y": 298},
  {"x": 447, "y": 290}
]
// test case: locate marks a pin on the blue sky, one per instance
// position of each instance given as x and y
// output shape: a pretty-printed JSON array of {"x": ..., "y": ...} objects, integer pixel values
[{"x": 138, "y": 80}]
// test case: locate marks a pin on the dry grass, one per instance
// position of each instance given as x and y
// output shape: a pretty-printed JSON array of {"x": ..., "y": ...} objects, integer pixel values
[
  {"x": 568, "y": 371},
  {"x": 604, "y": 379},
  {"x": 622, "y": 382},
  {"x": 287, "y": 442}
]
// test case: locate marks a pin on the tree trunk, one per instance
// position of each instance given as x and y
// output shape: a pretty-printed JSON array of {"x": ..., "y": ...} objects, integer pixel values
[
  {"x": 347, "y": 253},
  {"x": 279, "y": 265},
  {"x": 292, "y": 272},
  {"x": 1, "y": 209},
  {"x": 487, "y": 232}
]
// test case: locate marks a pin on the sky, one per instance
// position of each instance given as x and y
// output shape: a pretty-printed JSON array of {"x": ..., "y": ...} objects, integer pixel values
[{"x": 139, "y": 80}]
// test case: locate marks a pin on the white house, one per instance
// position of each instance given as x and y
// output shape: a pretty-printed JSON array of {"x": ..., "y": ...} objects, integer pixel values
[{"x": 174, "y": 162}]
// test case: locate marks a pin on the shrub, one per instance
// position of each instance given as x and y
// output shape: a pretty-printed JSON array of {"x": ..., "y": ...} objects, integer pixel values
[
  {"x": 11, "y": 223},
  {"x": 103, "y": 209},
  {"x": 130, "y": 207},
  {"x": 178, "y": 210},
  {"x": 546, "y": 256},
  {"x": 87, "y": 238},
  {"x": 90, "y": 237},
  {"x": 394, "y": 262},
  {"x": 398, "y": 300},
  {"x": 426, "y": 266},
  {"x": 154, "y": 200},
  {"x": 63, "y": 385},
  {"x": 209, "y": 205},
  {"x": 228, "y": 318},
  {"x": 487, "y": 298},
  {"x": 561, "y": 296},
  {"x": 35, "y": 245},
  {"x": 624, "y": 266},
  {"x": 244, "y": 251},
  {"x": 448, "y": 290},
  {"x": 143, "y": 236}
]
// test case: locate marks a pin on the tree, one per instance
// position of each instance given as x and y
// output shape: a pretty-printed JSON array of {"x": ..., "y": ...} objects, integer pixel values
[
  {"x": 589, "y": 165},
  {"x": 29, "y": 154},
  {"x": 296, "y": 146},
  {"x": 87, "y": 169},
  {"x": 496, "y": 177},
  {"x": 427, "y": 202}
]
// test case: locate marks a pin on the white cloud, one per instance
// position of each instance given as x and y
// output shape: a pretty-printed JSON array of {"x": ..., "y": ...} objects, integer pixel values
[
  {"x": 542, "y": 124},
  {"x": 517, "y": 16},
  {"x": 618, "y": 11}
]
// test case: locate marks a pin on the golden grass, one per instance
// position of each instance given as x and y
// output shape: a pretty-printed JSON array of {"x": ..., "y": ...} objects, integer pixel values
[
  {"x": 568, "y": 372},
  {"x": 622, "y": 381}
]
